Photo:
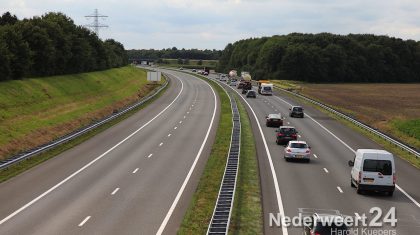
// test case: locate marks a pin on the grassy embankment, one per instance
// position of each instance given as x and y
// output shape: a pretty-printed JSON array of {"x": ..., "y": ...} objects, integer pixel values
[
  {"x": 391, "y": 108},
  {"x": 193, "y": 64},
  {"x": 247, "y": 215},
  {"x": 35, "y": 111}
]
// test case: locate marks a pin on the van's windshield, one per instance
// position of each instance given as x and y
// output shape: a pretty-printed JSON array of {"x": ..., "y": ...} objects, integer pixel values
[{"x": 382, "y": 166}]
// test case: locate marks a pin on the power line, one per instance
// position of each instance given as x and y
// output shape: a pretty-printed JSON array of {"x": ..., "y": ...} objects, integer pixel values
[{"x": 96, "y": 25}]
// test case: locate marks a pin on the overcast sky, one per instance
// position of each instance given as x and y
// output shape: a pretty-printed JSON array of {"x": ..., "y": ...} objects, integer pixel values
[{"x": 211, "y": 24}]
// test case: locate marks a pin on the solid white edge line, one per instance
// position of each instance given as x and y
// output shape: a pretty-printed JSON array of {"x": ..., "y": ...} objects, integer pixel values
[
  {"x": 135, "y": 171},
  {"x": 90, "y": 163},
  {"x": 181, "y": 190},
  {"x": 273, "y": 172},
  {"x": 339, "y": 189},
  {"x": 115, "y": 191},
  {"x": 351, "y": 149},
  {"x": 84, "y": 221}
]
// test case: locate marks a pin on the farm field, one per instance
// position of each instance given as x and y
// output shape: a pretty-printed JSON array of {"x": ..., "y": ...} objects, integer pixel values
[{"x": 392, "y": 108}]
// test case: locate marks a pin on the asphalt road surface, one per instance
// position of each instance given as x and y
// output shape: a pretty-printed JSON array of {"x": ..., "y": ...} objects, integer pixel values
[
  {"x": 324, "y": 183},
  {"x": 137, "y": 177}
]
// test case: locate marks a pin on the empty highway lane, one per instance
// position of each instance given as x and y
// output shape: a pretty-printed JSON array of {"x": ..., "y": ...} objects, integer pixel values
[{"x": 137, "y": 177}]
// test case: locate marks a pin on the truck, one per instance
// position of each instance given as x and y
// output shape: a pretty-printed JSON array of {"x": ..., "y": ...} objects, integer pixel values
[{"x": 233, "y": 73}]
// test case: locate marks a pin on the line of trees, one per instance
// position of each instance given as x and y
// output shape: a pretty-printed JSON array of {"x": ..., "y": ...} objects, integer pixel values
[
  {"x": 53, "y": 45},
  {"x": 175, "y": 53},
  {"x": 325, "y": 57}
]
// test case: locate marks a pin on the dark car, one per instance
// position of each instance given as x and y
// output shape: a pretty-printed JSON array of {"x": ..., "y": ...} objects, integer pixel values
[
  {"x": 251, "y": 93},
  {"x": 296, "y": 111},
  {"x": 285, "y": 134},
  {"x": 319, "y": 225},
  {"x": 240, "y": 85},
  {"x": 274, "y": 120}
]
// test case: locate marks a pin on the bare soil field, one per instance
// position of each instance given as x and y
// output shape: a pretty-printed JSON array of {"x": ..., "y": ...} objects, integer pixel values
[{"x": 387, "y": 107}]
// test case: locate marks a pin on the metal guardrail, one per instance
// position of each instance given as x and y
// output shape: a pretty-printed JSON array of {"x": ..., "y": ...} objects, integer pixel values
[
  {"x": 63, "y": 139},
  {"x": 390, "y": 139},
  {"x": 220, "y": 220}
]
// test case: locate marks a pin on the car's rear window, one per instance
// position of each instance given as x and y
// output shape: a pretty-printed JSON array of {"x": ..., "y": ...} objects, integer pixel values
[
  {"x": 297, "y": 109},
  {"x": 288, "y": 130},
  {"x": 298, "y": 146},
  {"x": 382, "y": 166},
  {"x": 267, "y": 88},
  {"x": 332, "y": 229}
]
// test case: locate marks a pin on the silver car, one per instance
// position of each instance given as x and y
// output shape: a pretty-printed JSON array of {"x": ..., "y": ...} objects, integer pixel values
[{"x": 298, "y": 150}]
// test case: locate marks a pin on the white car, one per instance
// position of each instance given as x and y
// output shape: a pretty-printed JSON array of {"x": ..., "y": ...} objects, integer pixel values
[
  {"x": 233, "y": 82},
  {"x": 373, "y": 170},
  {"x": 298, "y": 150}
]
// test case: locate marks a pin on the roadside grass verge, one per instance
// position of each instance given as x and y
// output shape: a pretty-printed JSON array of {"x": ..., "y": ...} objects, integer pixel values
[
  {"x": 413, "y": 160},
  {"x": 247, "y": 209},
  {"x": 200, "y": 210},
  {"x": 20, "y": 167},
  {"x": 37, "y": 110}
]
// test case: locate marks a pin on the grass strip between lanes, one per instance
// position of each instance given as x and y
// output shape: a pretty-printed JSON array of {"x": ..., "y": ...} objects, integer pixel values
[
  {"x": 20, "y": 167},
  {"x": 247, "y": 208},
  {"x": 200, "y": 210},
  {"x": 413, "y": 160}
]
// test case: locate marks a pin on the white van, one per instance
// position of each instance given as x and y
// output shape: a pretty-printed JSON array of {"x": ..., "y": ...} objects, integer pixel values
[
  {"x": 266, "y": 89},
  {"x": 373, "y": 170}
]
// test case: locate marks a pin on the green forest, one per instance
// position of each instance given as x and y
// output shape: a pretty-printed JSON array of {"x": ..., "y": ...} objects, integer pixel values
[
  {"x": 174, "y": 53},
  {"x": 53, "y": 45},
  {"x": 325, "y": 57}
]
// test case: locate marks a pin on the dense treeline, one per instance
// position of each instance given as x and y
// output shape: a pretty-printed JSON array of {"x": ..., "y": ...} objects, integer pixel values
[
  {"x": 174, "y": 53},
  {"x": 325, "y": 58},
  {"x": 52, "y": 45}
]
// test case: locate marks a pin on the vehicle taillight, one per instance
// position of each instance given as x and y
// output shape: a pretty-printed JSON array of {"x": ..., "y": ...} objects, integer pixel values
[
  {"x": 288, "y": 150},
  {"x": 279, "y": 134},
  {"x": 360, "y": 177},
  {"x": 315, "y": 233},
  {"x": 294, "y": 135},
  {"x": 394, "y": 178}
]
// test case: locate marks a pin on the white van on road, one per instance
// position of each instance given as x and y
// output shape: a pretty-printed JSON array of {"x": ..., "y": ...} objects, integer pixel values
[{"x": 373, "y": 170}]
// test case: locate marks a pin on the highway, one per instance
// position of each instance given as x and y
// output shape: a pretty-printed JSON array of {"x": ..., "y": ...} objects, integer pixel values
[
  {"x": 324, "y": 183},
  {"x": 136, "y": 177}
]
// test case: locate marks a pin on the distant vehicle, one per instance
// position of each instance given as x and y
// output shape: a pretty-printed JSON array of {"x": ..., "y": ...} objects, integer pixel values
[
  {"x": 298, "y": 150},
  {"x": 285, "y": 134},
  {"x": 199, "y": 71},
  {"x": 273, "y": 120},
  {"x": 240, "y": 84},
  {"x": 373, "y": 170},
  {"x": 296, "y": 111},
  {"x": 206, "y": 70},
  {"x": 233, "y": 73},
  {"x": 247, "y": 85},
  {"x": 194, "y": 70},
  {"x": 251, "y": 93},
  {"x": 319, "y": 224},
  {"x": 181, "y": 68},
  {"x": 205, "y": 73},
  {"x": 223, "y": 78},
  {"x": 233, "y": 82},
  {"x": 266, "y": 89}
]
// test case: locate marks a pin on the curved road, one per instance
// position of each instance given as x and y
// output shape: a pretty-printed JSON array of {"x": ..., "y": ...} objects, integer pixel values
[
  {"x": 324, "y": 183},
  {"x": 136, "y": 177}
]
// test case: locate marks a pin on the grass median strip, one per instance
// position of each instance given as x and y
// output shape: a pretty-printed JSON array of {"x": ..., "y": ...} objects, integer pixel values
[
  {"x": 198, "y": 215},
  {"x": 18, "y": 168},
  {"x": 247, "y": 208}
]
